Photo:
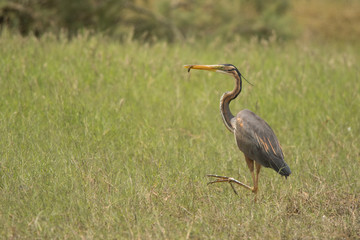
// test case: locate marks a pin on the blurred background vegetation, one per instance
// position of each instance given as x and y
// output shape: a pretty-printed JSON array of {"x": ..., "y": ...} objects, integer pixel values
[{"x": 174, "y": 20}]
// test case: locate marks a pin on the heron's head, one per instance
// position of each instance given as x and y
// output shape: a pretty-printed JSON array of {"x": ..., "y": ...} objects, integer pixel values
[{"x": 228, "y": 69}]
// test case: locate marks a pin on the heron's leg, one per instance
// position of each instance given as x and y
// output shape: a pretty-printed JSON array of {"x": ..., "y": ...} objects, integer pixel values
[
  {"x": 229, "y": 180},
  {"x": 258, "y": 167},
  {"x": 250, "y": 164}
]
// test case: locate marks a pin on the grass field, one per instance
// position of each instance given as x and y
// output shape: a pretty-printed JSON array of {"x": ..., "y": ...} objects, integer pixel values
[{"x": 107, "y": 140}]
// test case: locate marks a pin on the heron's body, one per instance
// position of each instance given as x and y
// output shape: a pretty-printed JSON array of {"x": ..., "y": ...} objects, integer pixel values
[
  {"x": 257, "y": 141},
  {"x": 253, "y": 135}
]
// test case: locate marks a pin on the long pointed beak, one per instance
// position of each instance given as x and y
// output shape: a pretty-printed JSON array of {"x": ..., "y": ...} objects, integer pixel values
[{"x": 213, "y": 68}]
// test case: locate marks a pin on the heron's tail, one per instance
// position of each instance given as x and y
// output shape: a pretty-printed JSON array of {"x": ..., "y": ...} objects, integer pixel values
[{"x": 284, "y": 170}]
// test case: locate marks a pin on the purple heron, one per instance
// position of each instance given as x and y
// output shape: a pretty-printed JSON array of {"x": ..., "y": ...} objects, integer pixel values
[{"x": 253, "y": 135}]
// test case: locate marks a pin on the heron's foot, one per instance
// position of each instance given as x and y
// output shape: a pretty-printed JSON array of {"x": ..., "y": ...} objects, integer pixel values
[{"x": 229, "y": 180}]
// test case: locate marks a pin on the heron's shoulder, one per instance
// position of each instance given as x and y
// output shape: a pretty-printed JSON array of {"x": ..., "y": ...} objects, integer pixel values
[
  {"x": 247, "y": 115},
  {"x": 252, "y": 123}
]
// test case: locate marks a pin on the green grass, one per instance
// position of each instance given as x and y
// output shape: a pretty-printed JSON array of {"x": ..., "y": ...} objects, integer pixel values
[{"x": 111, "y": 140}]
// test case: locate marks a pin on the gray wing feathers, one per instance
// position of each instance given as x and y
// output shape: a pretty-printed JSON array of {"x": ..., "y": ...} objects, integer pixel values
[{"x": 256, "y": 139}]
